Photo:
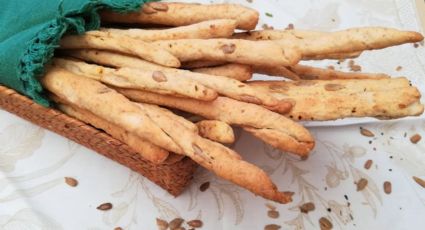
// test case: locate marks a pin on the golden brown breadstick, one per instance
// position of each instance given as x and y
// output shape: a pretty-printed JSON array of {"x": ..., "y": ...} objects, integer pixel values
[
  {"x": 314, "y": 73},
  {"x": 297, "y": 138},
  {"x": 221, "y": 28},
  {"x": 353, "y": 40},
  {"x": 146, "y": 149},
  {"x": 293, "y": 35},
  {"x": 223, "y": 161},
  {"x": 180, "y": 14},
  {"x": 107, "y": 104},
  {"x": 223, "y": 85},
  {"x": 266, "y": 53},
  {"x": 151, "y": 80},
  {"x": 216, "y": 131},
  {"x": 238, "y": 72},
  {"x": 121, "y": 44},
  {"x": 334, "y": 99}
]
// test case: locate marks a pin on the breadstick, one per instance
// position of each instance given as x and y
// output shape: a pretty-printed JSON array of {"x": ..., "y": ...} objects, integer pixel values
[
  {"x": 266, "y": 53},
  {"x": 298, "y": 139},
  {"x": 294, "y": 35},
  {"x": 314, "y": 73},
  {"x": 236, "y": 71},
  {"x": 121, "y": 44},
  {"x": 334, "y": 99},
  {"x": 181, "y": 14},
  {"x": 223, "y": 161},
  {"x": 223, "y": 85},
  {"x": 155, "y": 81},
  {"x": 107, "y": 104},
  {"x": 221, "y": 28},
  {"x": 216, "y": 131},
  {"x": 146, "y": 149},
  {"x": 353, "y": 40}
]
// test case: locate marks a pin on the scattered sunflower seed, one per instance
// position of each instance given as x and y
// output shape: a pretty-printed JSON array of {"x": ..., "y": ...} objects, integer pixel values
[
  {"x": 307, "y": 207},
  {"x": 104, "y": 206},
  {"x": 366, "y": 132},
  {"x": 162, "y": 224},
  {"x": 368, "y": 164},
  {"x": 175, "y": 223},
  {"x": 325, "y": 224},
  {"x": 387, "y": 187},
  {"x": 361, "y": 184},
  {"x": 71, "y": 181},
  {"x": 195, "y": 223},
  {"x": 204, "y": 186},
  {"x": 273, "y": 214},
  {"x": 419, "y": 181},
  {"x": 399, "y": 68},
  {"x": 269, "y": 14},
  {"x": 415, "y": 138},
  {"x": 272, "y": 227}
]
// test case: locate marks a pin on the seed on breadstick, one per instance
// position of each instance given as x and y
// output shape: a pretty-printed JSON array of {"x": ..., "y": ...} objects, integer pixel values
[
  {"x": 223, "y": 85},
  {"x": 151, "y": 80},
  {"x": 107, "y": 104},
  {"x": 216, "y": 131},
  {"x": 181, "y": 14},
  {"x": 221, "y": 28},
  {"x": 238, "y": 72},
  {"x": 238, "y": 113},
  {"x": 321, "y": 100},
  {"x": 266, "y": 53},
  {"x": 121, "y": 44},
  {"x": 145, "y": 148}
]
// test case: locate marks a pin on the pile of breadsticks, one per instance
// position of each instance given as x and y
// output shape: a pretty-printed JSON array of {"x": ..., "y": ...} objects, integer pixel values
[{"x": 189, "y": 58}]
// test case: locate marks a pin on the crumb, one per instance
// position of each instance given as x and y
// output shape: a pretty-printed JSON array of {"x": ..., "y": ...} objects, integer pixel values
[
  {"x": 416, "y": 45},
  {"x": 331, "y": 67},
  {"x": 290, "y": 26},
  {"x": 398, "y": 68},
  {"x": 267, "y": 27}
]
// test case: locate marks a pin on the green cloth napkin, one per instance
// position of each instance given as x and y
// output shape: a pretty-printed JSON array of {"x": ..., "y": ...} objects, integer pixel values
[{"x": 30, "y": 30}]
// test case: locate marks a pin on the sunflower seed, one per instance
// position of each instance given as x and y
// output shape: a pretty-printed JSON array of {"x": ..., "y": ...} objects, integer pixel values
[
  {"x": 368, "y": 164},
  {"x": 366, "y": 132},
  {"x": 387, "y": 187},
  {"x": 159, "y": 6},
  {"x": 272, "y": 227},
  {"x": 204, "y": 186},
  {"x": 415, "y": 138},
  {"x": 334, "y": 87},
  {"x": 250, "y": 99},
  {"x": 158, "y": 76},
  {"x": 228, "y": 48},
  {"x": 361, "y": 184},
  {"x": 307, "y": 207},
  {"x": 104, "y": 206},
  {"x": 273, "y": 214},
  {"x": 195, "y": 223},
  {"x": 325, "y": 224},
  {"x": 162, "y": 224},
  {"x": 419, "y": 181},
  {"x": 176, "y": 223},
  {"x": 71, "y": 181},
  {"x": 148, "y": 9}
]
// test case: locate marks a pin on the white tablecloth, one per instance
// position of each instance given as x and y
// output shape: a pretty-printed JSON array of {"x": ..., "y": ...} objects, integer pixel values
[{"x": 34, "y": 162}]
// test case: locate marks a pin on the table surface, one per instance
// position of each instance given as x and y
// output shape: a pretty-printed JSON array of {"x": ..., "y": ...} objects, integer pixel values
[{"x": 34, "y": 162}]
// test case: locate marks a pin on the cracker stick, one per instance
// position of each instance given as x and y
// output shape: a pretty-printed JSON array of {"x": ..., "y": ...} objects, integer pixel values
[
  {"x": 156, "y": 81},
  {"x": 314, "y": 73},
  {"x": 334, "y": 99},
  {"x": 146, "y": 149},
  {"x": 298, "y": 139},
  {"x": 181, "y": 14},
  {"x": 216, "y": 131},
  {"x": 221, "y": 28},
  {"x": 223, "y": 85},
  {"x": 266, "y": 53},
  {"x": 222, "y": 161},
  {"x": 238, "y": 72},
  {"x": 294, "y": 35},
  {"x": 121, "y": 44},
  {"x": 107, "y": 104},
  {"x": 353, "y": 40}
]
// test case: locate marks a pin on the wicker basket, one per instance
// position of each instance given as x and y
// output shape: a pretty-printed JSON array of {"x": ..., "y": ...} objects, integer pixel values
[{"x": 173, "y": 175}]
